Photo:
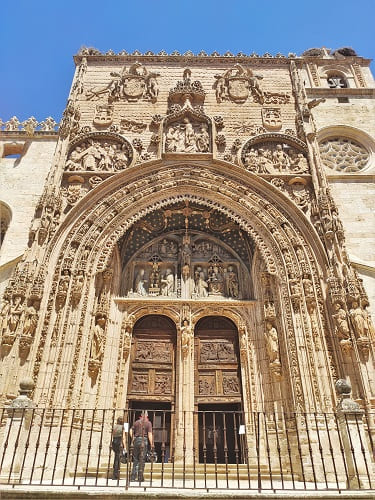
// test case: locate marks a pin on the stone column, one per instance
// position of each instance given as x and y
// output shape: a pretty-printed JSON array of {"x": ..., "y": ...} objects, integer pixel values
[
  {"x": 185, "y": 426},
  {"x": 359, "y": 464},
  {"x": 19, "y": 417}
]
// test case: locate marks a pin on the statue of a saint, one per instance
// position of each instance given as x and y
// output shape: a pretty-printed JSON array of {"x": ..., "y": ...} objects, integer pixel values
[
  {"x": 341, "y": 322},
  {"x": 140, "y": 283},
  {"x": 272, "y": 342},
  {"x": 359, "y": 320},
  {"x": 31, "y": 319}
]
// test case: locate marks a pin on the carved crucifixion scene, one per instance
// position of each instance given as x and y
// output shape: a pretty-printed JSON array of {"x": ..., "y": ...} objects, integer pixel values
[{"x": 186, "y": 251}]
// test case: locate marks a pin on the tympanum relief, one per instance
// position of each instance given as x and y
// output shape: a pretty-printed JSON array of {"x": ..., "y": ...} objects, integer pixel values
[
  {"x": 272, "y": 157},
  {"x": 99, "y": 153},
  {"x": 174, "y": 268}
]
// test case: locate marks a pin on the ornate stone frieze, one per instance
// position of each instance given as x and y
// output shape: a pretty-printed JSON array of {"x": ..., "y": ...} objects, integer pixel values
[
  {"x": 132, "y": 126},
  {"x": 131, "y": 85}
]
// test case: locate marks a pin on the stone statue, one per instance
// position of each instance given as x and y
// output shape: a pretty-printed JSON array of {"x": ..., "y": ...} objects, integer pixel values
[
  {"x": 307, "y": 286},
  {"x": 272, "y": 342},
  {"x": 171, "y": 139},
  {"x": 280, "y": 159},
  {"x": 359, "y": 320},
  {"x": 186, "y": 337},
  {"x": 15, "y": 313},
  {"x": 341, "y": 322},
  {"x": 201, "y": 285},
  {"x": 264, "y": 164},
  {"x": 167, "y": 283},
  {"x": 140, "y": 283},
  {"x": 31, "y": 319},
  {"x": 97, "y": 342},
  {"x": 203, "y": 139},
  {"x": 4, "y": 311},
  {"x": 232, "y": 283}
]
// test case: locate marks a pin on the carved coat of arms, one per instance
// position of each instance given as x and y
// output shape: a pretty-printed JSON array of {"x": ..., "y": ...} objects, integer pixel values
[
  {"x": 133, "y": 84},
  {"x": 237, "y": 83},
  {"x": 272, "y": 118}
]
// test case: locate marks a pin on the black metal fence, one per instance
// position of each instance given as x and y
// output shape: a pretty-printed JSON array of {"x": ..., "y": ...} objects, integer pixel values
[{"x": 197, "y": 450}]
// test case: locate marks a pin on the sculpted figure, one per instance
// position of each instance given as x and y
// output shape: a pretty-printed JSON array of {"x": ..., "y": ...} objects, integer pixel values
[
  {"x": 167, "y": 283},
  {"x": 186, "y": 336},
  {"x": 98, "y": 338},
  {"x": 359, "y": 320},
  {"x": 203, "y": 140},
  {"x": 15, "y": 313},
  {"x": 4, "y": 312},
  {"x": 140, "y": 283},
  {"x": 251, "y": 160},
  {"x": 341, "y": 321},
  {"x": 272, "y": 342},
  {"x": 280, "y": 158},
  {"x": 264, "y": 164},
  {"x": 307, "y": 285},
  {"x": 90, "y": 156},
  {"x": 74, "y": 162},
  {"x": 190, "y": 139},
  {"x": 171, "y": 140},
  {"x": 31, "y": 319},
  {"x": 201, "y": 285},
  {"x": 232, "y": 283},
  {"x": 120, "y": 157},
  {"x": 300, "y": 164}
]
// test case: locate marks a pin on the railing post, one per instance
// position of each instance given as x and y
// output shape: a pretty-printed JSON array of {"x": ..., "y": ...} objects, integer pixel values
[
  {"x": 19, "y": 416},
  {"x": 360, "y": 467}
]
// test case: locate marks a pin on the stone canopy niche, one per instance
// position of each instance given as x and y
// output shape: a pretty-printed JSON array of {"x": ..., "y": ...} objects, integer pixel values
[
  {"x": 199, "y": 254},
  {"x": 187, "y": 132}
]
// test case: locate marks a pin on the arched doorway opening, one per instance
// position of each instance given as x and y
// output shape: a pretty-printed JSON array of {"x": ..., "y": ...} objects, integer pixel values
[
  {"x": 218, "y": 392},
  {"x": 152, "y": 378}
]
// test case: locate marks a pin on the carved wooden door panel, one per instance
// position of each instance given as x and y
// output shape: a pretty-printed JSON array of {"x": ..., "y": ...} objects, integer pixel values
[
  {"x": 216, "y": 362},
  {"x": 152, "y": 374}
]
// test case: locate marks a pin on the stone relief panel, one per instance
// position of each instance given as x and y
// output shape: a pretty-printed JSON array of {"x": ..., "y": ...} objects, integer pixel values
[
  {"x": 197, "y": 268},
  {"x": 274, "y": 157},
  {"x": 187, "y": 136},
  {"x": 102, "y": 153},
  {"x": 131, "y": 85},
  {"x": 343, "y": 154},
  {"x": 103, "y": 115},
  {"x": 272, "y": 118}
]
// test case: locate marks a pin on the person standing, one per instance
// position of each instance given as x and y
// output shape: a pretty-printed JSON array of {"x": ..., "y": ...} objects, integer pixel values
[
  {"x": 118, "y": 444},
  {"x": 141, "y": 435}
]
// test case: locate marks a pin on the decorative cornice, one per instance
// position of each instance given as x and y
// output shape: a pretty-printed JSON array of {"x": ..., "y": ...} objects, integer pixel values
[
  {"x": 345, "y": 92},
  {"x": 96, "y": 55}
]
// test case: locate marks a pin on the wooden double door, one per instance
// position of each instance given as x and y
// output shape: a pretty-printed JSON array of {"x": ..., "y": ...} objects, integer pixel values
[{"x": 215, "y": 379}]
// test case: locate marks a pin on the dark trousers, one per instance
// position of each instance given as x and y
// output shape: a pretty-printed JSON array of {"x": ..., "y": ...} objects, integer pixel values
[
  {"x": 117, "y": 448},
  {"x": 139, "y": 458}
]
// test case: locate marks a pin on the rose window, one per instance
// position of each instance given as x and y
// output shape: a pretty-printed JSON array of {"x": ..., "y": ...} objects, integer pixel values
[{"x": 343, "y": 154}]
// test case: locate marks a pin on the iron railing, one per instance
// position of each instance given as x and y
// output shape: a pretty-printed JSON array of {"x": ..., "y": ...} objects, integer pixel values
[{"x": 195, "y": 450}]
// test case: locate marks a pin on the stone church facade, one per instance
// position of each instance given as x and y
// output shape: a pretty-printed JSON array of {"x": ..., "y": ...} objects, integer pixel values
[{"x": 198, "y": 233}]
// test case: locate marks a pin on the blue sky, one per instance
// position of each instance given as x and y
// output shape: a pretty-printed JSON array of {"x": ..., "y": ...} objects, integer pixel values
[{"x": 39, "y": 38}]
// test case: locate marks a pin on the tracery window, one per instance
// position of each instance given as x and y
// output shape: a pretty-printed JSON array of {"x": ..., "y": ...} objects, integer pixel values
[{"x": 343, "y": 154}]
